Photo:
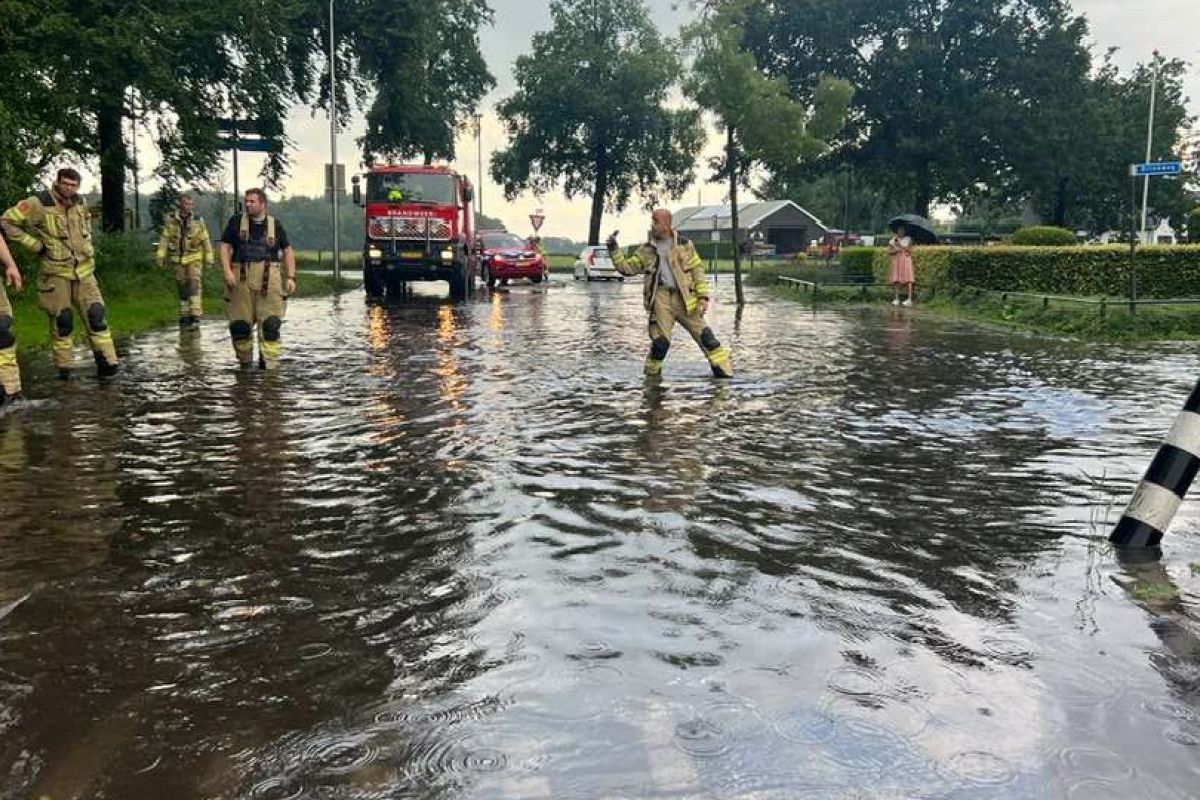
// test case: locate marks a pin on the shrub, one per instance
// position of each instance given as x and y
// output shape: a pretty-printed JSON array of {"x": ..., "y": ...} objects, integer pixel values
[
  {"x": 858, "y": 262},
  {"x": 1043, "y": 236},
  {"x": 1161, "y": 271},
  {"x": 931, "y": 265}
]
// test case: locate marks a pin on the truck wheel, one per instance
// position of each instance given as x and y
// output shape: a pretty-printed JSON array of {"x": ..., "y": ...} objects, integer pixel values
[
  {"x": 395, "y": 286},
  {"x": 460, "y": 282},
  {"x": 373, "y": 283}
]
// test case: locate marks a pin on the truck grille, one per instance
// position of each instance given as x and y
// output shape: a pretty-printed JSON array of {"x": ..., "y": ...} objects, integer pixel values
[{"x": 408, "y": 228}]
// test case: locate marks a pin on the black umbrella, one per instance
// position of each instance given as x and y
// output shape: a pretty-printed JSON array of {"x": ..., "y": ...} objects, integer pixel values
[{"x": 918, "y": 228}]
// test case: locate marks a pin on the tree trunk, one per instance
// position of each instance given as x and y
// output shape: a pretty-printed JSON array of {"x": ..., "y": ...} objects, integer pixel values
[
  {"x": 923, "y": 198},
  {"x": 732, "y": 163},
  {"x": 598, "y": 201},
  {"x": 1059, "y": 217},
  {"x": 113, "y": 160}
]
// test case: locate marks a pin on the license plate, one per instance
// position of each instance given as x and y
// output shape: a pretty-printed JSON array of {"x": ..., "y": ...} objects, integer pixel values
[{"x": 411, "y": 254}]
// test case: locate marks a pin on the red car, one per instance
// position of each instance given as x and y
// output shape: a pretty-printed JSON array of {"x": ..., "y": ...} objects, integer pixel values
[{"x": 504, "y": 256}]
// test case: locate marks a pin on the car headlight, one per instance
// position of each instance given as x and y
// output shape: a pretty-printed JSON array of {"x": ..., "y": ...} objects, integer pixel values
[
  {"x": 447, "y": 254},
  {"x": 374, "y": 252}
]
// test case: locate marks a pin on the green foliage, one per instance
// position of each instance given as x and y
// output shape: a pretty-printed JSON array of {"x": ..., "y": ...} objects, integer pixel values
[
  {"x": 591, "y": 113},
  {"x": 961, "y": 99},
  {"x": 1193, "y": 225},
  {"x": 858, "y": 261},
  {"x": 1043, "y": 236},
  {"x": 425, "y": 74},
  {"x": 1162, "y": 272}
]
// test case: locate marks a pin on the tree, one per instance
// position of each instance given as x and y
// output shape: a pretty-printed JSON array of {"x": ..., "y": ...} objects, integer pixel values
[
  {"x": 936, "y": 81},
  {"x": 180, "y": 64},
  {"x": 422, "y": 59},
  {"x": 590, "y": 112},
  {"x": 763, "y": 124}
]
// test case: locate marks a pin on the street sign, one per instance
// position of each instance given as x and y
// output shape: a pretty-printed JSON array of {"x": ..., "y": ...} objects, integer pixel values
[
  {"x": 1156, "y": 168},
  {"x": 715, "y": 235},
  {"x": 251, "y": 145},
  {"x": 536, "y": 221}
]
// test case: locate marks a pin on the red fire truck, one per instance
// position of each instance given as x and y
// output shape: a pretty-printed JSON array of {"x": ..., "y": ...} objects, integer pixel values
[{"x": 419, "y": 226}]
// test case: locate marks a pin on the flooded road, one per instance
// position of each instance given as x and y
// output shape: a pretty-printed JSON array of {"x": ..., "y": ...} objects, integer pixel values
[{"x": 466, "y": 551}]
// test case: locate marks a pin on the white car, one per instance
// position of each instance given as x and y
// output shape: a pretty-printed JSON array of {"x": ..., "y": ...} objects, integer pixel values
[{"x": 595, "y": 264}]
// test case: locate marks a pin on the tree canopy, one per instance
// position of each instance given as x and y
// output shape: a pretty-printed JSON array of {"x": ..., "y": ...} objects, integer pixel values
[{"x": 591, "y": 113}]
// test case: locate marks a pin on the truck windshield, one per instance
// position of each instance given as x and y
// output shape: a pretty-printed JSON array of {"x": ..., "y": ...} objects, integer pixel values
[{"x": 411, "y": 187}]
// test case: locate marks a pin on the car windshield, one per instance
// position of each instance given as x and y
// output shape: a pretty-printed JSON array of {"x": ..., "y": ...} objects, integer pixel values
[
  {"x": 410, "y": 187},
  {"x": 502, "y": 241}
]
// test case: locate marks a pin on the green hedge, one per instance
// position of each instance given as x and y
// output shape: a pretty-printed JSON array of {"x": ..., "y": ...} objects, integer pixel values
[
  {"x": 1043, "y": 236},
  {"x": 858, "y": 262},
  {"x": 1162, "y": 271}
]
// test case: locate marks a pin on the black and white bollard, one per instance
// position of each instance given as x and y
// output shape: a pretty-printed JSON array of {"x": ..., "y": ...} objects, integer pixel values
[{"x": 1166, "y": 482}]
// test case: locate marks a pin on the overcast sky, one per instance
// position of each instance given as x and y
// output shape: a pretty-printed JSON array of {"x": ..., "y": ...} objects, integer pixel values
[{"x": 1136, "y": 28}]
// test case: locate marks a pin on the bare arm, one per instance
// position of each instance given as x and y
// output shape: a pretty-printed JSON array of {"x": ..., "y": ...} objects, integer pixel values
[
  {"x": 226, "y": 253},
  {"x": 289, "y": 264},
  {"x": 12, "y": 274}
]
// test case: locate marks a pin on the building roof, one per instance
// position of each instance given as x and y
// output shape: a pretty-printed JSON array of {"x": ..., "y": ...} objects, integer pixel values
[{"x": 750, "y": 216}]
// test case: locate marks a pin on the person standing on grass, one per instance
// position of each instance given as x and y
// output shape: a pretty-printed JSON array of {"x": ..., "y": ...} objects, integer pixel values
[
  {"x": 184, "y": 247},
  {"x": 901, "y": 272}
]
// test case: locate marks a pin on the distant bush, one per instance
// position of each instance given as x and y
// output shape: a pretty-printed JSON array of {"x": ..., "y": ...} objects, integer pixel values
[
  {"x": 1162, "y": 271},
  {"x": 1043, "y": 236},
  {"x": 857, "y": 262}
]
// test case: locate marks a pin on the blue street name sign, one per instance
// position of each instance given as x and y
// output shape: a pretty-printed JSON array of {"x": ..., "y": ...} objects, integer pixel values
[{"x": 1156, "y": 168}]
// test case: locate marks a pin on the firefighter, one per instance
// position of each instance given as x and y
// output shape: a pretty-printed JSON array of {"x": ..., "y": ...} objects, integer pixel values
[
  {"x": 675, "y": 290},
  {"x": 184, "y": 246},
  {"x": 10, "y": 375},
  {"x": 55, "y": 225},
  {"x": 260, "y": 274}
]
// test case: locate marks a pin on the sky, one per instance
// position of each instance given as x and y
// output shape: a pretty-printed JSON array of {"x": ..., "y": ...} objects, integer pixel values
[{"x": 1136, "y": 28}]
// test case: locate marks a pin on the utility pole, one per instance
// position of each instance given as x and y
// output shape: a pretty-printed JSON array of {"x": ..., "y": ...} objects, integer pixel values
[
  {"x": 479, "y": 160},
  {"x": 333, "y": 155},
  {"x": 1149, "y": 141}
]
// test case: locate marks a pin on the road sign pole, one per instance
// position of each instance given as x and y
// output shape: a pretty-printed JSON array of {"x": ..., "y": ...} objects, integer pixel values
[
  {"x": 1149, "y": 141},
  {"x": 333, "y": 155},
  {"x": 237, "y": 196}
]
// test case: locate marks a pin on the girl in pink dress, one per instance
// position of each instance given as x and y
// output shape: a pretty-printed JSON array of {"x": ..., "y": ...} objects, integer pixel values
[{"x": 901, "y": 273}]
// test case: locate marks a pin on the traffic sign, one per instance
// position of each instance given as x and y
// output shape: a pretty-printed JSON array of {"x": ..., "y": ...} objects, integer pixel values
[
  {"x": 252, "y": 145},
  {"x": 1156, "y": 168},
  {"x": 536, "y": 221}
]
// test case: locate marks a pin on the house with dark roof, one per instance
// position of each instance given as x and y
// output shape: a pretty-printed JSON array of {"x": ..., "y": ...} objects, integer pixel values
[{"x": 782, "y": 223}]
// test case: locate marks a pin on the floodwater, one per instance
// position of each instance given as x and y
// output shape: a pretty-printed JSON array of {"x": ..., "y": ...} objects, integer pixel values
[{"x": 465, "y": 550}]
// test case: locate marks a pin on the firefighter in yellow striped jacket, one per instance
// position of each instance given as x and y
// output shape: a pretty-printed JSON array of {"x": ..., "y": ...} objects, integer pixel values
[
  {"x": 184, "y": 246},
  {"x": 675, "y": 290},
  {"x": 55, "y": 225}
]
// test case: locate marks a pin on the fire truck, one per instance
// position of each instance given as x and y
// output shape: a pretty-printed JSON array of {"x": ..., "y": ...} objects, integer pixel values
[{"x": 419, "y": 226}]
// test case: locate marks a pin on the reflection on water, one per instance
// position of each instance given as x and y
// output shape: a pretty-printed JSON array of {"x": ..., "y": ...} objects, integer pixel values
[{"x": 465, "y": 550}]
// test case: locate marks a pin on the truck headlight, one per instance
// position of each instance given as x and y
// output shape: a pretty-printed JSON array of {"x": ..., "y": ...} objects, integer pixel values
[
  {"x": 374, "y": 252},
  {"x": 447, "y": 254}
]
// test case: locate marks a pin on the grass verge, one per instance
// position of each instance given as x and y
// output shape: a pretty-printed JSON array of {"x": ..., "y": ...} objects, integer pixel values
[{"x": 1147, "y": 323}]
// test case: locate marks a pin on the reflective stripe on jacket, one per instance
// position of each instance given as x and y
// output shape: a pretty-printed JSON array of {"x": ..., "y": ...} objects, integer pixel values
[
  {"x": 686, "y": 268},
  {"x": 181, "y": 245},
  {"x": 60, "y": 234}
]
